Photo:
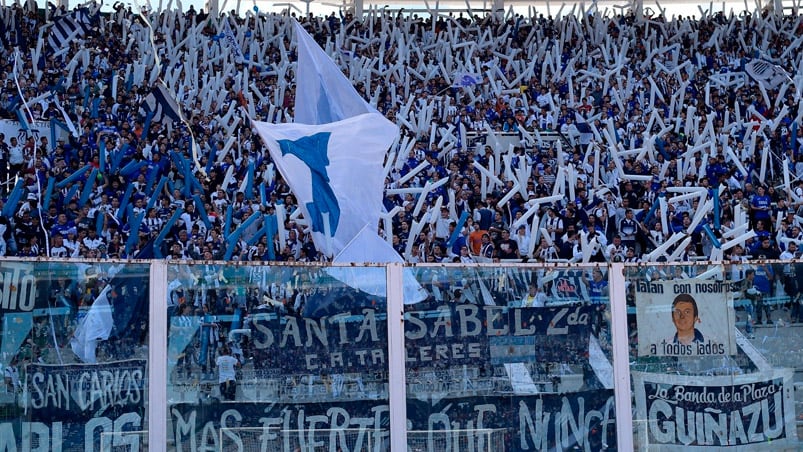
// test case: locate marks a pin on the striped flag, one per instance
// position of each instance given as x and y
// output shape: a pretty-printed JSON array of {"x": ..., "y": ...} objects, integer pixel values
[
  {"x": 69, "y": 27},
  {"x": 161, "y": 104},
  {"x": 770, "y": 75}
]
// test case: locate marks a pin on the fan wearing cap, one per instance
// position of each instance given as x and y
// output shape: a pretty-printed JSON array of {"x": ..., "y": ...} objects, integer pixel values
[{"x": 71, "y": 242}]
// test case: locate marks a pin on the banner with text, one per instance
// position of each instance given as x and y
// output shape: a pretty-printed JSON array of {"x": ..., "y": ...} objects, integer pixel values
[
  {"x": 444, "y": 335},
  {"x": 690, "y": 317},
  {"x": 21, "y": 288},
  {"x": 471, "y": 334},
  {"x": 675, "y": 412},
  {"x": 80, "y": 406},
  {"x": 567, "y": 286},
  {"x": 577, "y": 421},
  {"x": 349, "y": 342}
]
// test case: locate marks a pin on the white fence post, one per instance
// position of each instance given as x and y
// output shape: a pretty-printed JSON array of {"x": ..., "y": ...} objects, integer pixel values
[
  {"x": 621, "y": 357},
  {"x": 157, "y": 357},
  {"x": 397, "y": 386}
]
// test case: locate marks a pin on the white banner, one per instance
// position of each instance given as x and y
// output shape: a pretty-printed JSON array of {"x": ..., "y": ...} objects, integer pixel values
[
  {"x": 690, "y": 317},
  {"x": 37, "y": 129}
]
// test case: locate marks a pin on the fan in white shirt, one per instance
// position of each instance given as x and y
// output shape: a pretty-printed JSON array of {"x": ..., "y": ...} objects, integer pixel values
[
  {"x": 535, "y": 298},
  {"x": 57, "y": 248},
  {"x": 92, "y": 241}
]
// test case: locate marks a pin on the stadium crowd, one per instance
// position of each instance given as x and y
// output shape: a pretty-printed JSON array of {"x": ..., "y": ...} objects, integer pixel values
[
  {"x": 634, "y": 106},
  {"x": 605, "y": 115}
]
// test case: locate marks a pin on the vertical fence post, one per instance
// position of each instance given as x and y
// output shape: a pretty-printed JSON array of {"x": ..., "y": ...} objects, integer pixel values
[
  {"x": 621, "y": 357},
  {"x": 397, "y": 386},
  {"x": 157, "y": 357}
]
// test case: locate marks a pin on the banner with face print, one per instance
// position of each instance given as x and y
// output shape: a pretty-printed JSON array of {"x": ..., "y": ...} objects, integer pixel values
[{"x": 690, "y": 317}]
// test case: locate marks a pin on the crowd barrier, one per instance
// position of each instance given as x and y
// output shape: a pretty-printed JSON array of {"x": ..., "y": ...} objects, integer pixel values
[{"x": 134, "y": 355}]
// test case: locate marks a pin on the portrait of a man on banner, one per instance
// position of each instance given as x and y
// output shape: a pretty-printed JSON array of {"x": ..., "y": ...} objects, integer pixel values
[{"x": 685, "y": 318}]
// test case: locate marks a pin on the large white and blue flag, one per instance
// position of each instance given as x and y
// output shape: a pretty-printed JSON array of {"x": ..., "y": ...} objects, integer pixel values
[
  {"x": 332, "y": 155},
  {"x": 332, "y": 159},
  {"x": 335, "y": 172},
  {"x": 324, "y": 95}
]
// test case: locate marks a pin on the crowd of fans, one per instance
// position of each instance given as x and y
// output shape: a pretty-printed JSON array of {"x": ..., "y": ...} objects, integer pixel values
[
  {"x": 673, "y": 109},
  {"x": 525, "y": 77}
]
